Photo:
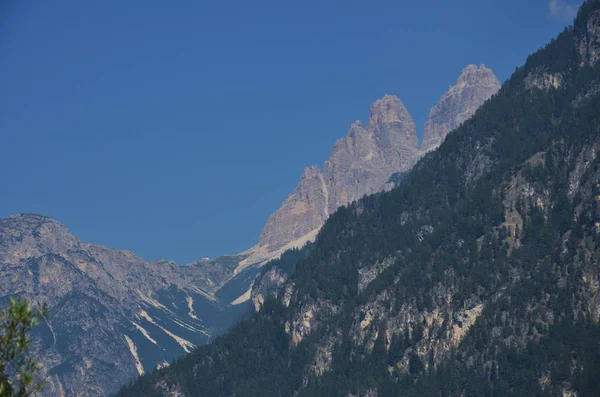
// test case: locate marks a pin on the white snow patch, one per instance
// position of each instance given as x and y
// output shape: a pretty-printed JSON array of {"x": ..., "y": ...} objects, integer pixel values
[
  {"x": 204, "y": 294},
  {"x": 162, "y": 365},
  {"x": 134, "y": 353},
  {"x": 189, "y": 327},
  {"x": 144, "y": 332},
  {"x": 185, "y": 344},
  {"x": 51, "y": 329},
  {"x": 190, "y": 303},
  {"x": 59, "y": 386},
  {"x": 152, "y": 302}
]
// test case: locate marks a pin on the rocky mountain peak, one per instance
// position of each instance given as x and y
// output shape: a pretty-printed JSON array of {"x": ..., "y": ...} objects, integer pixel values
[
  {"x": 28, "y": 223},
  {"x": 473, "y": 74},
  {"x": 310, "y": 172},
  {"x": 356, "y": 128},
  {"x": 389, "y": 108},
  {"x": 475, "y": 85},
  {"x": 359, "y": 164},
  {"x": 113, "y": 315},
  {"x": 362, "y": 162},
  {"x": 36, "y": 234}
]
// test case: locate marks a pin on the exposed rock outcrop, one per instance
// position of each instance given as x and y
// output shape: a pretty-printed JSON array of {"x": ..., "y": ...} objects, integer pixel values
[
  {"x": 363, "y": 161},
  {"x": 369, "y": 159},
  {"x": 112, "y": 316},
  {"x": 543, "y": 80},
  {"x": 589, "y": 44},
  {"x": 305, "y": 210},
  {"x": 270, "y": 284},
  {"x": 359, "y": 164},
  {"x": 474, "y": 86}
]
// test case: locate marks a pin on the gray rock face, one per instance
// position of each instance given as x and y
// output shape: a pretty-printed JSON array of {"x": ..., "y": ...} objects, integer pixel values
[
  {"x": 303, "y": 211},
  {"x": 268, "y": 285},
  {"x": 363, "y": 162},
  {"x": 589, "y": 47},
  {"x": 474, "y": 86},
  {"x": 359, "y": 164},
  {"x": 542, "y": 80},
  {"x": 112, "y": 315}
]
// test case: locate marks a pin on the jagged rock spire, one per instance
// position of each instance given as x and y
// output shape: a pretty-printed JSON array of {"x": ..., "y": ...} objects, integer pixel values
[
  {"x": 475, "y": 85},
  {"x": 363, "y": 161},
  {"x": 359, "y": 164}
]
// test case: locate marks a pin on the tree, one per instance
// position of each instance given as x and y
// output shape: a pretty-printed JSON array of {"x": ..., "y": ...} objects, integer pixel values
[
  {"x": 415, "y": 365},
  {"x": 17, "y": 369}
]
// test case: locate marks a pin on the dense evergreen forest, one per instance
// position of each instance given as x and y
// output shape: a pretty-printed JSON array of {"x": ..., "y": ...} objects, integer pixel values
[{"x": 488, "y": 258}]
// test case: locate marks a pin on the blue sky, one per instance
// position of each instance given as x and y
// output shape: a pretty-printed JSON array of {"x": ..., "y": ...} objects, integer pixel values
[{"x": 174, "y": 131}]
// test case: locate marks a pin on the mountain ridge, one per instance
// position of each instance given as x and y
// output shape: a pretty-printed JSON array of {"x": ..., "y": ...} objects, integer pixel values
[
  {"x": 477, "y": 275},
  {"x": 156, "y": 311},
  {"x": 112, "y": 314},
  {"x": 177, "y": 307},
  {"x": 364, "y": 160}
]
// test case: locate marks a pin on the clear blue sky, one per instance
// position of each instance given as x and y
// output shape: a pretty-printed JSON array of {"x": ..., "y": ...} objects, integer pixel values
[{"x": 174, "y": 131}]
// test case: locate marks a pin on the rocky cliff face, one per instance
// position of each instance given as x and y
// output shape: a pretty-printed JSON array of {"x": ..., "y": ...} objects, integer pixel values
[
  {"x": 359, "y": 164},
  {"x": 474, "y": 86},
  {"x": 363, "y": 162},
  {"x": 589, "y": 43},
  {"x": 112, "y": 316},
  {"x": 304, "y": 211}
]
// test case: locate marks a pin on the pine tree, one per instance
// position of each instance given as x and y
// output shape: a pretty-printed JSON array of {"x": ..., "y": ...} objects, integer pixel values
[{"x": 17, "y": 369}]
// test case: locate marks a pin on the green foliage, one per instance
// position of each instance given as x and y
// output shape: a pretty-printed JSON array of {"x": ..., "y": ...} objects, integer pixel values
[
  {"x": 288, "y": 260},
  {"x": 17, "y": 369}
]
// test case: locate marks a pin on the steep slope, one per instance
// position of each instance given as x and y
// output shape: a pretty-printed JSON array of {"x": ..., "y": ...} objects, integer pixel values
[
  {"x": 474, "y": 86},
  {"x": 363, "y": 162},
  {"x": 112, "y": 316},
  {"x": 303, "y": 213},
  {"x": 478, "y": 275},
  {"x": 359, "y": 164}
]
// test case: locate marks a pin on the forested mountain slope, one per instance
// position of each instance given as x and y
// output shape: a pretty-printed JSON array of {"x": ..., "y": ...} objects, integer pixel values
[{"x": 478, "y": 275}]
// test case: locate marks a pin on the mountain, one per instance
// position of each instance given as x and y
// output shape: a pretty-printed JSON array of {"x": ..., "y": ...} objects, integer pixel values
[
  {"x": 474, "y": 86},
  {"x": 112, "y": 312},
  {"x": 359, "y": 164},
  {"x": 113, "y": 316},
  {"x": 478, "y": 275},
  {"x": 363, "y": 162}
]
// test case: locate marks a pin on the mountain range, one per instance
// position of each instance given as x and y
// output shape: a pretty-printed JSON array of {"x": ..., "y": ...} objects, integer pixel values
[
  {"x": 478, "y": 274},
  {"x": 363, "y": 162},
  {"x": 114, "y": 316}
]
